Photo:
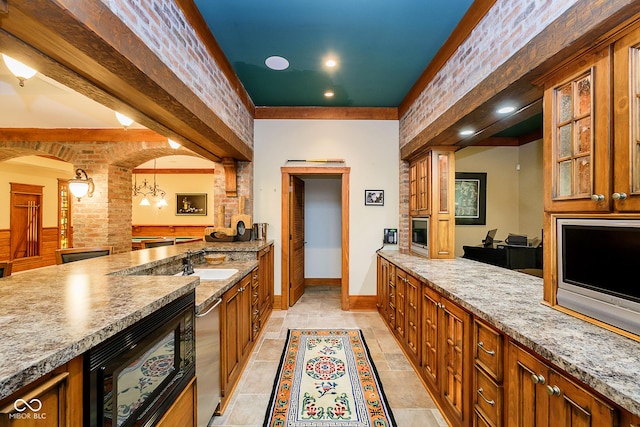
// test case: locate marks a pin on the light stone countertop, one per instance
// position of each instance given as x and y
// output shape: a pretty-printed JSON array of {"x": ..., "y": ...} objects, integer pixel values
[
  {"x": 511, "y": 301},
  {"x": 51, "y": 315}
]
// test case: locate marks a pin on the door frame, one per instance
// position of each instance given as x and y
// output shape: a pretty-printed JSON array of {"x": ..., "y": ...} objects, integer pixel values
[{"x": 309, "y": 171}]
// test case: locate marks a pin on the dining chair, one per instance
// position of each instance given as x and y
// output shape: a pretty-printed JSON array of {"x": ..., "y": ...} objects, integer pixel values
[
  {"x": 154, "y": 243},
  {"x": 5, "y": 269},
  {"x": 64, "y": 256}
]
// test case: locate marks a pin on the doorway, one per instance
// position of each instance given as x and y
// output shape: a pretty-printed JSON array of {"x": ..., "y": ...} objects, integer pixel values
[{"x": 293, "y": 243}]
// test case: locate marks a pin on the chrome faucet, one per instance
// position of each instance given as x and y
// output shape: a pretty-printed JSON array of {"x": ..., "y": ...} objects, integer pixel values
[{"x": 187, "y": 264}]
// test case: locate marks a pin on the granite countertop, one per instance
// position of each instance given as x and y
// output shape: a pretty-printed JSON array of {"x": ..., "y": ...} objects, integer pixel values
[
  {"x": 51, "y": 315},
  {"x": 512, "y": 302}
]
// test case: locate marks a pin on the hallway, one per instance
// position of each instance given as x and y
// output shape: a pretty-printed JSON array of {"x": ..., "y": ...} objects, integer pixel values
[{"x": 319, "y": 308}]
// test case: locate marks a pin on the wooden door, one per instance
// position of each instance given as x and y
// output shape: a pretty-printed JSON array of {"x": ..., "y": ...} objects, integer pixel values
[
  {"x": 244, "y": 317},
  {"x": 26, "y": 220},
  {"x": 296, "y": 239},
  {"x": 401, "y": 285},
  {"x": 527, "y": 395}
]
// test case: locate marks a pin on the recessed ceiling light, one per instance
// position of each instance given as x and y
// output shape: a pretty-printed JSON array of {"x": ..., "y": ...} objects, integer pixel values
[
  {"x": 277, "y": 63},
  {"x": 328, "y": 94},
  {"x": 466, "y": 132},
  {"x": 506, "y": 110},
  {"x": 331, "y": 63}
]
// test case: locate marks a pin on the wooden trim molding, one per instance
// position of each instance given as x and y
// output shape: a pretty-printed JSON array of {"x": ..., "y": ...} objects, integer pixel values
[
  {"x": 81, "y": 135},
  {"x": 174, "y": 171},
  {"x": 362, "y": 302},
  {"x": 230, "y": 177},
  {"x": 318, "y": 281},
  {"x": 327, "y": 113}
]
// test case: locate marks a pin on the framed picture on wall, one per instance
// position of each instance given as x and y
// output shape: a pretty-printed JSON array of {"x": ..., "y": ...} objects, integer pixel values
[
  {"x": 191, "y": 204},
  {"x": 374, "y": 197},
  {"x": 471, "y": 198}
]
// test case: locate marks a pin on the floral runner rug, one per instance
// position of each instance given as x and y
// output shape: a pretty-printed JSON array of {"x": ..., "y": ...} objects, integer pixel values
[{"x": 327, "y": 378}]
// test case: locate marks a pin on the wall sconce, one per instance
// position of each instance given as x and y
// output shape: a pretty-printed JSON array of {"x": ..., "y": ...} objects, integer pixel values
[
  {"x": 124, "y": 120},
  {"x": 173, "y": 144},
  {"x": 21, "y": 71},
  {"x": 80, "y": 187}
]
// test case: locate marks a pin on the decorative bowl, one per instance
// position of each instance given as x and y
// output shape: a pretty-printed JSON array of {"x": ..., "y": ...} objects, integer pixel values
[{"x": 215, "y": 258}]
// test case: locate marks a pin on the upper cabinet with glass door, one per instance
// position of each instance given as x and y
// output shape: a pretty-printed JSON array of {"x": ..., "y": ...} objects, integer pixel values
[
  {"x": 592, "y": 131},
  {"x": 626, "y": 114},
  {"x": 576, "y": 137}
]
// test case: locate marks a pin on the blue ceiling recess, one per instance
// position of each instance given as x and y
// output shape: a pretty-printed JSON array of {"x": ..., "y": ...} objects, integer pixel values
[{"x": 381, "y": 46}]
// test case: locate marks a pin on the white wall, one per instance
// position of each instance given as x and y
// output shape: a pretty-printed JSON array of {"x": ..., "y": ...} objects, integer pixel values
[
  {"x": 514, "y": 197},
  {"x": 370, "y": 149},
  {"x": 323, "y": 227}
]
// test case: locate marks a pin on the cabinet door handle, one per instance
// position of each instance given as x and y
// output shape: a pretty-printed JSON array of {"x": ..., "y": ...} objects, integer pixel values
[
  {"x": 481, "y": 393},
  {"x": 597, "y": 197},
  {"x": 489, "y": 352},
  {"x": 537, "y": 379},
  {"x": 553, "y": 390},
  {"x": 619, "y": 196}
]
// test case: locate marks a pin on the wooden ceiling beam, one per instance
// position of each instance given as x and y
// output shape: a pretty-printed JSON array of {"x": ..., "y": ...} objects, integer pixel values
[
  {"x": 327, "y": 113},
  {"x": 83, "y": 45},
  {"x": 80, "y": 135}
]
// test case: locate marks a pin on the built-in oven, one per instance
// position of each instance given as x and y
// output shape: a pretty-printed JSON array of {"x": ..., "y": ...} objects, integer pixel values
[
  {"x": 134, "y": 377},
  {"x": 420, "y": 236}
]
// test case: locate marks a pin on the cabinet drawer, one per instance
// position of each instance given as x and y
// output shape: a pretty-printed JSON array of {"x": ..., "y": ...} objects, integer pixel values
[
  {"x": 488, "y": 349},
  {"x": 479, "y": 420},
  {"x": 487, "y": 399}
]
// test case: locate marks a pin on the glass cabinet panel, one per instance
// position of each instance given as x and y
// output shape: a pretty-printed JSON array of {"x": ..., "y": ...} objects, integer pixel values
[{"x": 573, "y": 138}]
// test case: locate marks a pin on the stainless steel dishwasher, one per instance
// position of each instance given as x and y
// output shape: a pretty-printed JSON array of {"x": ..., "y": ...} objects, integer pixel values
[{"x": 208, "y": 361}]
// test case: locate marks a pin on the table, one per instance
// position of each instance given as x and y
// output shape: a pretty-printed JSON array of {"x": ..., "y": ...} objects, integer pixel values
[
  {"x": 136, "y": 242},
  {"x": 508, "y": 256}
]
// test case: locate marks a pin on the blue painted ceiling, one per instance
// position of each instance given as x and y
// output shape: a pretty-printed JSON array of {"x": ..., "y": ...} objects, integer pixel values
[{"x": 381, "y": 46}]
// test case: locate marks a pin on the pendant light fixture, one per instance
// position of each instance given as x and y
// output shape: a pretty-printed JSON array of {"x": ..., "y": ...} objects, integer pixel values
[
  {"x": 147, "y": 191},
  {"x": 21, "y": 71}
]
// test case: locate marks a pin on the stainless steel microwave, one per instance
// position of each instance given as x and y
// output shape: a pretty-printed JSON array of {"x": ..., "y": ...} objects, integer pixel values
[{"x": 420, "y": 236}]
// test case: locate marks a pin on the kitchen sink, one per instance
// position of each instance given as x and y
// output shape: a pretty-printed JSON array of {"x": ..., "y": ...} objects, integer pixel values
[{"x": 212, "y": 273}]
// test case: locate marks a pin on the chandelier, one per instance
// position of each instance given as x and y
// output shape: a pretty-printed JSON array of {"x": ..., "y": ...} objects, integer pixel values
[{"x": 155, "y": 193}]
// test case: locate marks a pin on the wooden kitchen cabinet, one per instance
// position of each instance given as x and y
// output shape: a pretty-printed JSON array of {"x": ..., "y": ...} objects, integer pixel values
[
  {"x": 235, "y": 330},
  {"x": 55, "y": 400},
  {"x": 401, "y": 280},
  {"x": 446, "y": 358},
  {"x": 419, "y": 187},
  {"x": 488, "y": 360},
  {"x": 386, "y": 292},
  {"x": 264, "y": 289},
  {"x": 541, "y": 396},
  {"x": 587, "y": 103},
  {"x": 407, "y": 320}
]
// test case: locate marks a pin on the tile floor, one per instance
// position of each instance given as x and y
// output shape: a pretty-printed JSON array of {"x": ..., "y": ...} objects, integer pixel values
[{"x": 319, "y": 308}]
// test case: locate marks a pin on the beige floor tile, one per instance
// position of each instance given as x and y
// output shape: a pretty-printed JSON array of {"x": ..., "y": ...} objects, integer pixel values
[{"x": 319, "y": 307}]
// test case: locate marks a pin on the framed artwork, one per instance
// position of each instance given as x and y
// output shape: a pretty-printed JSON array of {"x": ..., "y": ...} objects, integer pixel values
[
  {"x": 471, "y": 198},
  {"x": 374, "y": 197},
  {"x": 191, "y": 204}
]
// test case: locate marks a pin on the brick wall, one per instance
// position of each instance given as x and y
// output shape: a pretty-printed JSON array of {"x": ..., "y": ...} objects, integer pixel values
[
  {"x": 161, "y": 25},
  {"x": 105, "y": 218},
  {"x": 505, "y": 29}
]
